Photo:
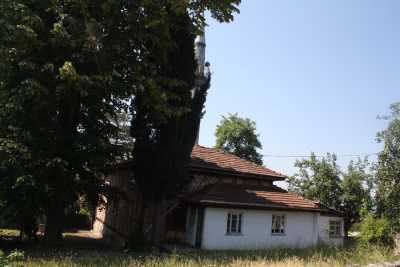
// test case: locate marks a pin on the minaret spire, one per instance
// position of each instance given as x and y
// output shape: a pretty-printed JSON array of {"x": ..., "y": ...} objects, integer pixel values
[
  {"x": 200, "y": 52},
  {"x": 200, "y": 56}
]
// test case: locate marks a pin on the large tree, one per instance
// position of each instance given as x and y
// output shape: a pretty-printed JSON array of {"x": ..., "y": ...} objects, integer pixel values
[
  {"x": 357, "y": 185},
  {"x": 319, "y": 180},
  {"x": 66, "y": 68},
  {"x": 322, "y": 180},
  {"x": 239, "y": 136},
  {"x": 56, "y": 94},
  {"x": 388, "y": 169},
  {"x": 164, "y": 138}
]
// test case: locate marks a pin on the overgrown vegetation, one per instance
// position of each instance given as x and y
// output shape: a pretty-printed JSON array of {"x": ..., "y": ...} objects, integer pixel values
[
  {"x": 367, "y": 196},
  {"x": 376, "y": 231},
  {"x": 350, "y": 192},
  {"x": 67, "y": 69},
  {"x": 14, "y": 259},
  {"x": 318, "y": 179},
  {"x": 321, "y": 256},
  {"x": 388, "y": 170}
]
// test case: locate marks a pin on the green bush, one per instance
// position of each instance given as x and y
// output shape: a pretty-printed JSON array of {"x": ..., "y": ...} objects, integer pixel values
[
  {"x": 12, "y": 259},
  {"x": 375, "y": 231}
]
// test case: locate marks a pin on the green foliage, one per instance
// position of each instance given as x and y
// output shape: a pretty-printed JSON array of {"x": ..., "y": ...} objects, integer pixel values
[
  {"x": 58, "y": 85},
  {"x": 388, "y": 170},
  {"x": 376, "y": 231},
  {"x": 318, "y": 179},
  {"x": 279, "y": 257},
  {"x": 164, "y": 139},
  {"x": 349, "y": 192},
  {"x": 357, "y": 185},
  {"x": 66, "y": 69},
  {"x": 238, "y": 136},
  {"x": 12, "y": 260}
]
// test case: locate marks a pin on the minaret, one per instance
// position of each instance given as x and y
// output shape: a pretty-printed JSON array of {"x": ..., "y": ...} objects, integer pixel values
[
  {"x": 200, "y": 53},
  {"x": 200, "y": 56}
]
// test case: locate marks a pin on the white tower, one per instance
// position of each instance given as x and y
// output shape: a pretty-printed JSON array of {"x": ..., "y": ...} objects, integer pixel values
[
  {"x": 200, "y": 56},
  {"x": 200, "y": 53}
]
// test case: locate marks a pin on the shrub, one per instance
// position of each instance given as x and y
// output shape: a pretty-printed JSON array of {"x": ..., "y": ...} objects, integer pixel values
[
  {"x": 12, "y": 259},
  {"x": 375, "y": 231},
  {"x": 3, "y": 259}
]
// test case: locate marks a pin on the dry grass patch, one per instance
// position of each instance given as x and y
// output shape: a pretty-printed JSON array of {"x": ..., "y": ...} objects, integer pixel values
[{"x": 321, "y": 257}]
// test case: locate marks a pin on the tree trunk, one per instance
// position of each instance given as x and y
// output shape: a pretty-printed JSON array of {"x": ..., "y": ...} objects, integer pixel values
[{"x": 55, "y": 222}]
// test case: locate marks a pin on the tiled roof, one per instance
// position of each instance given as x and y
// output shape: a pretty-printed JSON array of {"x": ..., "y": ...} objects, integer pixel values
[
  {"x": 211, "y": 160},
  {"x": 247, "y": 196},
  {"x": 216, "y": 160}
]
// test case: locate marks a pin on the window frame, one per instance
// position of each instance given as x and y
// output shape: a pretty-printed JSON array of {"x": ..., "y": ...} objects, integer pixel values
[
  {"x": 338, "y": 226},
  {"x": 273, "y": 218},
  {"x": 238, "y": 226}
]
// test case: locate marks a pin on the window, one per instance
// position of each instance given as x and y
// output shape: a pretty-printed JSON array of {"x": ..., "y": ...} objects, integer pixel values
[
  {"x": 278, "y": 225},
  {"x": 234, "y": 223},
  {"x": 335, "y": 229}
]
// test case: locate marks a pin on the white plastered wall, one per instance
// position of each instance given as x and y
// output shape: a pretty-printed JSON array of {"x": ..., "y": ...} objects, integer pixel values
[
  {"x": 301, "y": 230},
  {"x": 323, "y": 231}
]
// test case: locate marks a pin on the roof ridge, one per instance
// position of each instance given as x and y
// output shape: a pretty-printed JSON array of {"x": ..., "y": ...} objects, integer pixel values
[{"x": 241, "y": 159}]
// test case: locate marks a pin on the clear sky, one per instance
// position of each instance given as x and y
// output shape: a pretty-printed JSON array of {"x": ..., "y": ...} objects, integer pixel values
[{"x": 313, "y": 74}]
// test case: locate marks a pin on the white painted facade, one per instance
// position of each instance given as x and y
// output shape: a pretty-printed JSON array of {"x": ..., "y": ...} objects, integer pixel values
[
  {"x": 323, "y": 227},
  {"x": 302, "y": 229}
]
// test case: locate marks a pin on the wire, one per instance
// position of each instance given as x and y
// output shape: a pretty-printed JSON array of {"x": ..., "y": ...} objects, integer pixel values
[{"x": 320, "y": 156}]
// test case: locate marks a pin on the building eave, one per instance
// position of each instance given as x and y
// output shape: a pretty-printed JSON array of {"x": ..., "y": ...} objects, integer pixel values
[
  {"x": 220, "y": 172},
  {"x": 254, "y": 206}
]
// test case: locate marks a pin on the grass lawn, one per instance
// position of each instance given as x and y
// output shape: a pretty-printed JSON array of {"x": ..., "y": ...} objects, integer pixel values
[
  {"x": 276, "y": 258},
  {"x": 83, "y": 250}
]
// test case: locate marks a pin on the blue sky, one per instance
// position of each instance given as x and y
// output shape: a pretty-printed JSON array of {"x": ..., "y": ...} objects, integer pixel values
[{"x": 313, "y": 74}]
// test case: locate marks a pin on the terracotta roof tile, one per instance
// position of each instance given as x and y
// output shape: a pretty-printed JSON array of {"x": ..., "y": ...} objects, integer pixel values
[
  {"x": 252, "y": 196},
  {"x": 205, "y": 160},
  {"x": 217, "y": 160}
]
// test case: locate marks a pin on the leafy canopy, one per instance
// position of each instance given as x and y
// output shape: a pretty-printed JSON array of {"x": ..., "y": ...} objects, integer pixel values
[
  {"x": 67, "y": 68},
  {"x": 318, "y": 179},
  {"x": 357, "y": 185},
  {"x": 239, "y": 136},
  {"x": 322, "y": 180},
  {"x": 388, "y": 169},
  {"x": 376, "y": 231}
]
